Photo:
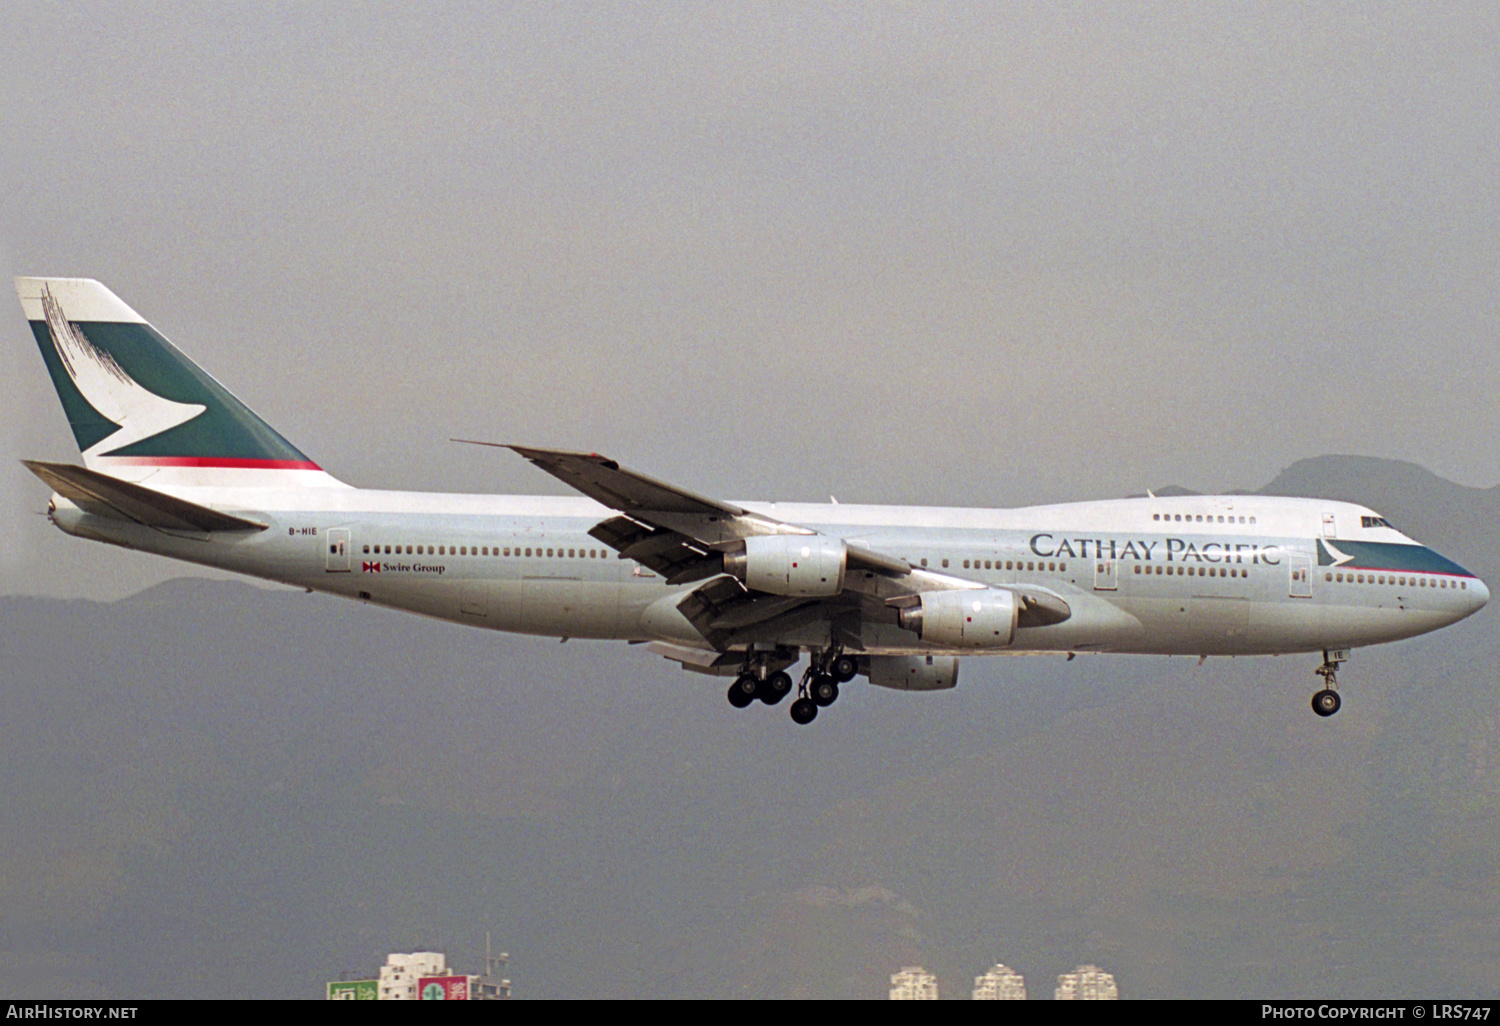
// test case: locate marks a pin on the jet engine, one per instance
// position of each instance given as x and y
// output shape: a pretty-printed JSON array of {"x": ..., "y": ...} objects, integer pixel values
[
  {"x": 914, "y": 673},
  {"x": 982, "y": 618},
  {"x": 790, "y": 564}
]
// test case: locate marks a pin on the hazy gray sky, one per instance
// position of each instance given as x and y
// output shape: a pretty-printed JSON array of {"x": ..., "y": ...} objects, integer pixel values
[{"x": 920, "y": 253}]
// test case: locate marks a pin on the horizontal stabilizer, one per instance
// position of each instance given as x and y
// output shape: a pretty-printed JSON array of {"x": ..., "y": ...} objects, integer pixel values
[{"x": 100, "y": 493}]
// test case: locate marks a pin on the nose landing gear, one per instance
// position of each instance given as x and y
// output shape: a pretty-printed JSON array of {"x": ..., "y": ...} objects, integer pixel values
[{"x": 1327, "y": 702}]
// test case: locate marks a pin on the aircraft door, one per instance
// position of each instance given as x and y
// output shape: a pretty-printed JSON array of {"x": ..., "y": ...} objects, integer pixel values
[
  {"x": 1106, "y": 575},
  {"x": 338, "y": 551},
  {"x": 1301, "y": 575},
  {"x": 1330, "y": 528}
]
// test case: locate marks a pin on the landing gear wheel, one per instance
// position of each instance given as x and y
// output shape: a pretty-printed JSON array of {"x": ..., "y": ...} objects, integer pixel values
[
  {"x": 844, "y": 669},
  {"x": 824, "y": 690},
  {"x": 804, "y": 710},
  {"x": 1326, "y": 702},
  {"x": 743, "y": 691},
  {"x": 775, "y": 687}
]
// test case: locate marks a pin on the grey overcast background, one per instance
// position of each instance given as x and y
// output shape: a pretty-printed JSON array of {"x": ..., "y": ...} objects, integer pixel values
[
  {"x": 910, "y": 253},
  {"x": 917, "y": 253}
]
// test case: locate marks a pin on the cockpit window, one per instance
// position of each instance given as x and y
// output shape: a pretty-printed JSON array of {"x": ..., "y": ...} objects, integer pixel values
[{"x": 1375, "y": 522}]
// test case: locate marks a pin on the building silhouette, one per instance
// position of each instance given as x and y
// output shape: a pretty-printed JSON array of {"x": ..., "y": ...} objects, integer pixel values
[
  {"x": 1086, "y": 983},
  {"x": 1001, "y": 983},
  {"x": 913, "y": 983}
]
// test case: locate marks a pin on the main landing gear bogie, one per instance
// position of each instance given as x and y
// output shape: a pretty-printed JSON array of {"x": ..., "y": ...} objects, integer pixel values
[
  {"x": 749, "y": 686},
  {"x": 818, "y": 689}
]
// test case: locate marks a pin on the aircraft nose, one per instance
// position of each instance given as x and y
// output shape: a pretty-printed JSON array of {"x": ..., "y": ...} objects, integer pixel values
[{"x": 1479, "y": 595}]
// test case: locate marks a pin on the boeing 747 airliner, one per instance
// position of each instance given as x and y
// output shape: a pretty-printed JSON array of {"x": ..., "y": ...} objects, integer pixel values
[{"x": 175, "y": 465}]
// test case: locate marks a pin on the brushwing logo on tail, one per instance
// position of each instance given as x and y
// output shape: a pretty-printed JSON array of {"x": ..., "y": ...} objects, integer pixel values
[{"x": 119, "y": 398}]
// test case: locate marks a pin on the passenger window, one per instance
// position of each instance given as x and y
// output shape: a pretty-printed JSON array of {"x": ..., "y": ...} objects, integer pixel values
[
  {"x": 367, "y": 550},
  {"x": 945, "y": 564}
]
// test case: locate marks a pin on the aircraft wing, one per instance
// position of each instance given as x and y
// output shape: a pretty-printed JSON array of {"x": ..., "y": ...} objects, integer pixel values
[
  {"x": 684, "y": 537},
  {"x": 660, "y": 510},
  {"x": 605, "y": 481}
]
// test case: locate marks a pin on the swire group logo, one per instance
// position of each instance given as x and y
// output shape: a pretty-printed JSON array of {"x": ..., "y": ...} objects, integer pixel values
[{"x": 371, "y": 568}]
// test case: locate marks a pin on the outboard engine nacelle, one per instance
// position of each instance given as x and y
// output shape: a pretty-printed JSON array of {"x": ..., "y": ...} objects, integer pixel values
[
  {"x": 790, "y": 564},
  {"x": 981, "y": 618},
  {"x": 914, "y": 673}
]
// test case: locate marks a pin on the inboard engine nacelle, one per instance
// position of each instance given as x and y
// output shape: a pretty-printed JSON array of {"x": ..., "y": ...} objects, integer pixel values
[
  {"x": 791, "y": 564},
  {"x": 982, "y": 618}
]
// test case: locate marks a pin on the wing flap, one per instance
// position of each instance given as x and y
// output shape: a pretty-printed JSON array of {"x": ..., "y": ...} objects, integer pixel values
[
  {"x": 675, "y": 556},
  {"x": 111, "y": 496}
]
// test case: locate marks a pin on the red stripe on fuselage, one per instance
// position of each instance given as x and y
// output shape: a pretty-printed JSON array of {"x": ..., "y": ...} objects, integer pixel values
[{"x": 212, "y": 461}]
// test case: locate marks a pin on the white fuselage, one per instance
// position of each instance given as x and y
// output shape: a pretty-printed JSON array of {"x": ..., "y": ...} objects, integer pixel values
[{"x": 1211, "y": 575}]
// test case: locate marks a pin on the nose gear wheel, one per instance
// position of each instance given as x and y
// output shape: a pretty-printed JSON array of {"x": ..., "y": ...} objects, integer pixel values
[{"x": 1326, "y": 702}]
